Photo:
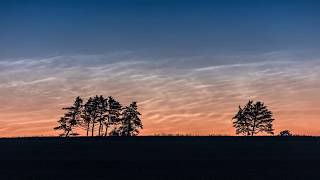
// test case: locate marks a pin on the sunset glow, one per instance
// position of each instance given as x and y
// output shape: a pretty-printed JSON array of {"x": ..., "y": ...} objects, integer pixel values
[{"x": 188, "y": 73}]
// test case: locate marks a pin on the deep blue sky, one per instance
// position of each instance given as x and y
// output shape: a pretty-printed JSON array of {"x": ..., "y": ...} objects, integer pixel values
[{"x": 31, "y": 28}]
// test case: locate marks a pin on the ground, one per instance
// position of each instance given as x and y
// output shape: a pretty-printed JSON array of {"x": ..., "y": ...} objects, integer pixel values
[{"x": 160, "y": 158}]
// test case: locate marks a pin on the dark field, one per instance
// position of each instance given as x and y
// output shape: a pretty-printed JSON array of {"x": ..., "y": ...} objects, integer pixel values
[{"x": 161, "y": 158}]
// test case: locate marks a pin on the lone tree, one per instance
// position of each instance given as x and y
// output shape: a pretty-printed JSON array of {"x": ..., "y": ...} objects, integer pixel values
[
  {"x": 131, "y": 122},
  {"x": 252, "y": 119},
  {"x": 71, "y": 119},
  {"x": 285, "y": 133}
]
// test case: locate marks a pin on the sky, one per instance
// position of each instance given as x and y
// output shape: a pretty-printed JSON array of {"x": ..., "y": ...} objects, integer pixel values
[{"x": 189, "y": 64}]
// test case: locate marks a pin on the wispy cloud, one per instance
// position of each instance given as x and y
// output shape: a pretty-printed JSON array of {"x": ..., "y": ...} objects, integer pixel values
[
  {"x": 172, "y": 97},
  {"x": 27, "y": 83}
]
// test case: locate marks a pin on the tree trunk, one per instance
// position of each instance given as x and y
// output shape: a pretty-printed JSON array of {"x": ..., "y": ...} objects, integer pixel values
[
  {"x": 129, "y": 128},
  {"x": 88, "y": 128},
  {"x": 254, "y": 125},
  {"x": 107, "y": 124},
  {"x": 92, "y": 130},
  {"x": 106, "y": 133},
  {"x": 99, "y": 128},
  {"x": 67, "y": 133}
]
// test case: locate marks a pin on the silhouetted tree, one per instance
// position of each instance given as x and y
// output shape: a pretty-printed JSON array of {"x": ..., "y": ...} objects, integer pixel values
[
  {"x": 253, "y": 118},
  {"x": 131, "y": 122},
  {"x": 71, "y": 119},
  {"x": 285, "y": 133},
  {"x": 113, "y": 114},
  {"x": 101, "y": 109},
  {"x": 96, "y": 113},
  {"x": 106, "y": 112},
  {"x": 86, "y": 114},
  {"x": 63, "y": 126}
]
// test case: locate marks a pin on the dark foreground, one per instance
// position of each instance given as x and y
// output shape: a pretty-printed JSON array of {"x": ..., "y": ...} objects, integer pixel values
[{"x": 162, "y": 158}]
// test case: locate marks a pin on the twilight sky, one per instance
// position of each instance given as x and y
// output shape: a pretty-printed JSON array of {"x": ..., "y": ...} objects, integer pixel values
[{"x": 189, "y": 64}]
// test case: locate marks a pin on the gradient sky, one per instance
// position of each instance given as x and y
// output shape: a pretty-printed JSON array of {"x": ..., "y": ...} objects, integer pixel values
[{"x": 189, "y": 64}]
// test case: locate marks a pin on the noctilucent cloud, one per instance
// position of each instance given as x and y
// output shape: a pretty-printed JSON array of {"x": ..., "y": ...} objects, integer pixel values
[{"x": 189, "y": 64}]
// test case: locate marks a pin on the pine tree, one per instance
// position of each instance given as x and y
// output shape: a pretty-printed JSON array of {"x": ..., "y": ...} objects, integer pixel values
[
  {"x": 96, "y": 114},
  {"x": 131, "y": 122},
  {"x": 101, "y": 109},
  {"x": 86, "y": 114},
  {"x": 63, "y": 126},
  {"x": 71, "y": 119},
  {"x": 253, "y": 119},
  {"x": 113, "y": 115}
]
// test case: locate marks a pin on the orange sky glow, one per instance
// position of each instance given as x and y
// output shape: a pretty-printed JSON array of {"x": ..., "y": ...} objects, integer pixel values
[{"x": 184, "y": 100}]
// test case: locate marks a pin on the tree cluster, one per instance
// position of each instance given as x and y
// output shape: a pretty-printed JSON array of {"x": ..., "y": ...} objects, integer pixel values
[{"x": 100, "y": 116}]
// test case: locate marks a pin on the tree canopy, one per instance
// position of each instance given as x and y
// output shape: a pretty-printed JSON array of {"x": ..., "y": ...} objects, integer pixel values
[
  {"x": 71, "y": 119},
  {"x": 106, "y": 116},
  {"x": 253, "y": 118}
]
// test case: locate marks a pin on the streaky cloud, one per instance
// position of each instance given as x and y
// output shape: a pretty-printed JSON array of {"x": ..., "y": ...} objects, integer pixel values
[{"x": 172, "y": 98}]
